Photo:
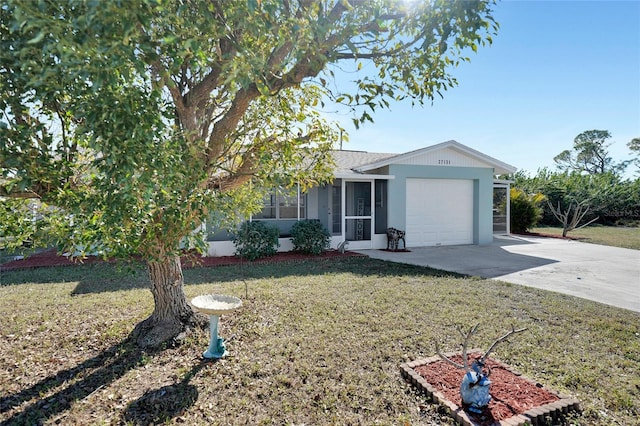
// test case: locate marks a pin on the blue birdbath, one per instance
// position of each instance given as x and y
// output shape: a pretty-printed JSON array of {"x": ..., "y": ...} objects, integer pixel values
[{"x": 215, "y": 305}]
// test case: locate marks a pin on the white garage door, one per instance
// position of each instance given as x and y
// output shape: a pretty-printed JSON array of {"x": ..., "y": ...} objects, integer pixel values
[{"x": 439, "y": 212}]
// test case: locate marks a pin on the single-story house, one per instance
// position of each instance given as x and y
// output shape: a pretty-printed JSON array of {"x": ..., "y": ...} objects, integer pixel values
[{"x": 444, "y": 194}]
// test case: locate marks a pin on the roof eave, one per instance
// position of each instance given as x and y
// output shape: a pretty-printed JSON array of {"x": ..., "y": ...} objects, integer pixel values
[
  {"x": 361, "y": 176},
  {"x": 498, "y": 166}
]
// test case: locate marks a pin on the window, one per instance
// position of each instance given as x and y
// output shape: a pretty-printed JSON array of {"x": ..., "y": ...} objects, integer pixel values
[{"x": 283, "y": 205}]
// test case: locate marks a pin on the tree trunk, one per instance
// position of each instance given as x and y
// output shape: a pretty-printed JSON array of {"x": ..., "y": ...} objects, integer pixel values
[{"x": 172, "y": 318}]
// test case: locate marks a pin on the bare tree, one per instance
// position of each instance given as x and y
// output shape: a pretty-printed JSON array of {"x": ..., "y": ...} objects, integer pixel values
[
  {"x": 474, "y": 387},
  {"x": 572, "y": 216},
  {"x": 467, "y": 336}
]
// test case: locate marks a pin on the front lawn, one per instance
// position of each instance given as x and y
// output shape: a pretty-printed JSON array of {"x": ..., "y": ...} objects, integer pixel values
[
  {"x": 617, "y": 236},
  {"x": 316, "y": 342}
]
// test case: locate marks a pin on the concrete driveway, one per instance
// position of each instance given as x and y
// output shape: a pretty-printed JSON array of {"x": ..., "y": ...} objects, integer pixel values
[{"x": 609, "y": 275}]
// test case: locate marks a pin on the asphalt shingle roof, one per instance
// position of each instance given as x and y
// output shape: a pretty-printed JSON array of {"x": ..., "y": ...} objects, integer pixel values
[{"x": 346, "y": 161}]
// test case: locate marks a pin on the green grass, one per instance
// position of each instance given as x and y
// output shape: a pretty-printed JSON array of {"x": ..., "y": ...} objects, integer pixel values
[
  {"x": 316, "y": 342},
  {"x": 617, "y": 236}
]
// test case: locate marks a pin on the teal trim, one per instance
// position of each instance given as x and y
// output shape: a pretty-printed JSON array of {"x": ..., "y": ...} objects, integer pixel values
[{"x": 477, "y": 211}]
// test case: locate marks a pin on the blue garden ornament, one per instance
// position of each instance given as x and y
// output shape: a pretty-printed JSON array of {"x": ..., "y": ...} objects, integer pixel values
[
  {"x": 474, "y": 389},
  {"x": 475, "y": 384}
]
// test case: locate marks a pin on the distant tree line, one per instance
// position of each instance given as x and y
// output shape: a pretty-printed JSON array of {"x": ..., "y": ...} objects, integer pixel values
[{"x": 587, "y": 187}]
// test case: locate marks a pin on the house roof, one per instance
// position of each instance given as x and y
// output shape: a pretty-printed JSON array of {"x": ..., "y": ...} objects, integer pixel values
[
  {"x": 348, "y": 162},
  {"x": 353, "y": 162}
]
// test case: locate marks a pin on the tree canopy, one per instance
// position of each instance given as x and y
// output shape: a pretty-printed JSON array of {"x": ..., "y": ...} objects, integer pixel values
[
  {"x": 589, "y": 154},
  {"x": 634, "y": 147},
  {"x": 603, "y": 197},
  {"x": 131, "y": 122}
]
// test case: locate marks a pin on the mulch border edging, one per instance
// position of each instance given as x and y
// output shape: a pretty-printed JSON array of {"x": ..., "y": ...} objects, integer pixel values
[
  {"x": 533, "y": 416},
  {"x": 48, "y": 259}
]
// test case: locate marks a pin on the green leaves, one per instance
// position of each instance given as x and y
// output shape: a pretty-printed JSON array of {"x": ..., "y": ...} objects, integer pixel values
[
  {"x": 139, "y": 119},
  {"x": 254, "y": 240},
  {"x": 607, "y": 196},
  {"x": 310, "y": 236},
  {"x": 589, "y": 154},
  {"x": 526, "y": 210}
]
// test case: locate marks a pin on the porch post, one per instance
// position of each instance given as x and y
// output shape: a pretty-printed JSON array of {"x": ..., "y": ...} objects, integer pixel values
[{"x": 508, "y": 207}]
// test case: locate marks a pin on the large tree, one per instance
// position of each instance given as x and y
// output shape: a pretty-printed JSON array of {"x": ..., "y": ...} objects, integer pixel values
[
  {"x": 590, "y": 154},
  {"x": 131, "y": 122},
  {"x": 634, "y": 147}
]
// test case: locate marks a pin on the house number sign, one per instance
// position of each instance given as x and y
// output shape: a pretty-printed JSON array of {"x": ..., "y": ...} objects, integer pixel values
[{"x": 444, "y": 162}]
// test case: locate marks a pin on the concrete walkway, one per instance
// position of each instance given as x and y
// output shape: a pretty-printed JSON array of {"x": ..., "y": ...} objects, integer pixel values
[{"x": 609, "y": 275}]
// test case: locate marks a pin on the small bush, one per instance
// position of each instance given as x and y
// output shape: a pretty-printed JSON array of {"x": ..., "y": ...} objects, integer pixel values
[
  {"x": 255, "y": 240},
  {"x": 309, "y": 236},
  {"x": 525, "y": 210}
]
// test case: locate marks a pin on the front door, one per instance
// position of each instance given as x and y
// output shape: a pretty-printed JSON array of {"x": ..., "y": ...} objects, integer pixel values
[{"x": 357, "y": 217}]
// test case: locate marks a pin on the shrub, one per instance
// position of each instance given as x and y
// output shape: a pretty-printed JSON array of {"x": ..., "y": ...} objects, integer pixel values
[
  {"x": 309, "y": 236},
  {"x": 525, "y": 210},
  {"x": 255, "y": 240}
]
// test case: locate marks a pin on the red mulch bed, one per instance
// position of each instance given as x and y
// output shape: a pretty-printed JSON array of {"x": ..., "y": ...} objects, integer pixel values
[
  {"x": 50, "y": 258},
  {"x": 511, "y": 393}
]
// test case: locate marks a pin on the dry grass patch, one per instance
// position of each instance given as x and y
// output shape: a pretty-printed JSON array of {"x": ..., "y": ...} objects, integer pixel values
[
  {"x": 316, "y": 342},
  {"x": 616, "y": 236}
]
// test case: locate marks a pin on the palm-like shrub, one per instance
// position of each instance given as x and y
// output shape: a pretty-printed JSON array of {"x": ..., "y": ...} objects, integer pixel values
[{"x": 526, "y": 210}]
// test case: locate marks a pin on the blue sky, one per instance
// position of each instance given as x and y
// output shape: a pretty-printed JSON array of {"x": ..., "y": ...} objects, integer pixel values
[{"x": 555, "y": 69}]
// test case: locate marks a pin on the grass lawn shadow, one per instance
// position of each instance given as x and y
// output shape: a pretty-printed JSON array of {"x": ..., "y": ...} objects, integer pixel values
[
  {"x": 74, "y": 385},
  {"x": 98, "y": 277},
  {"x": 358, "y": 266},
  {"x": 317, "y": 342},
  {"x": 161, "y": 405},
  {"x": 108, "y": 277}
]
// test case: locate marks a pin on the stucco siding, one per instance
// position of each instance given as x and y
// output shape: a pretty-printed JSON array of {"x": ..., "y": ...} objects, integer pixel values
[
  {"x": 482, "y": 197},
  {"x": 320, "y": 211},
  {"x": 444, "y": 157}
]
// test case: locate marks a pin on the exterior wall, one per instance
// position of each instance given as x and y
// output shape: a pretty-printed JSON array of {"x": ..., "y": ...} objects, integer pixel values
[
  {"x": 313, "y": 203},
  {"x": 318, "y": 204},
  {"x": 444, "y": 157},
  {"x": 482, "y": 203},
  {"x": 220, "y": 243},
  {"x": 226, "y": 248}
]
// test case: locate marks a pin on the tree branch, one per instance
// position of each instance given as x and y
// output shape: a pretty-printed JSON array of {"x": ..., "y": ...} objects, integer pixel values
[
  {"x": 445, "y": 358},
  {"x": 588, "y": 223},
  {"x": 199, "y": 94},
  {"x": 227, "y": 124},
  {"x": 499, "y": 340},
  {"x": 465, "y": 344},
  {"x": 342, "y": 6},
  {"x": 244, "y": 172},
  {"x": 471, "y": 332},
  {"x": 20, "y": 194}
]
